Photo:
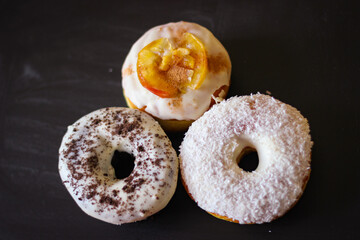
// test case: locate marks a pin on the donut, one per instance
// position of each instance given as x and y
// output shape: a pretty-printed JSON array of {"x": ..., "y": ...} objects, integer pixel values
[
  {"x": 175, "y": 72},
  {"x": 85, "y": 167},
  {"x": 215, "y": 143}
]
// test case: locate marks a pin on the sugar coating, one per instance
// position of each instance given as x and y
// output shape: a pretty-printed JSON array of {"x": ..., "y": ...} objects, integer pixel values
[
  {"x": 209, "y": 168},
  {"x": 85, "y": 165},
  {"x": 192, "y": 104}
]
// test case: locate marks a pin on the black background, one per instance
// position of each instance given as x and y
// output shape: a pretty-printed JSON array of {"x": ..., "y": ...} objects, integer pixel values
[{"x": 60, "y": 60}]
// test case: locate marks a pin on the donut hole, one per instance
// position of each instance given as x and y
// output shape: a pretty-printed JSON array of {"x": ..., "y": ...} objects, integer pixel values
[
  {"x": 123, "y": 164},
  {"x": 248, "y": 160}
]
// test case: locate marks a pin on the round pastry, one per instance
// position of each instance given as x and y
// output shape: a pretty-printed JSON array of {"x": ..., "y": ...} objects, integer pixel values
[
  {"x": 175, "y": 72},
  {"x": 86, "y": 170},
  {"x": 215, "y": 143}
]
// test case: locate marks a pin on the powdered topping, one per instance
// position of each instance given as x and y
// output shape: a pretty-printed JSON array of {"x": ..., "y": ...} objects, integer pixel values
[
  {"x": 194, "y": 102},
  {"x": 85, "y": 165},
  {"x": 218, "y": 63},
  {"x": 127, "y": 71},
  {"x": 278, "y": 132}
]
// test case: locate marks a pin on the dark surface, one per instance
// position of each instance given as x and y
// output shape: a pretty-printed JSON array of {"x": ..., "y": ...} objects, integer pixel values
[{"x": 60, "y": 61}]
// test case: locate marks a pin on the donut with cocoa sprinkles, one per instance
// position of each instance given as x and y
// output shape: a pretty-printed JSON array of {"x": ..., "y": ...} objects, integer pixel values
[{"x": 85, "y": 166}]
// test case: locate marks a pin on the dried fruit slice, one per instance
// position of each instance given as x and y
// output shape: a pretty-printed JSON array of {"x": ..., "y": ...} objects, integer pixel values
[
  {"x": 198, "y": 53},
  {"x": 167, "y": 71}
]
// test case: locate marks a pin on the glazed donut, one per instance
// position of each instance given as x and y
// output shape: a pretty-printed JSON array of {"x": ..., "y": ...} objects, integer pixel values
[
  {"x": 209, "y": 156},
  {"x": 85, "y": 165},
  {"x": 175, "y": 72}
]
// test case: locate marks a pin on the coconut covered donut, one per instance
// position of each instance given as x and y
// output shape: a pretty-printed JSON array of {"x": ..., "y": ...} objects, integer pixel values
[
  {"x": 175, "y": 72},
  {"x": 85, "y": 165},
  {"x": 209, "y": 156}
]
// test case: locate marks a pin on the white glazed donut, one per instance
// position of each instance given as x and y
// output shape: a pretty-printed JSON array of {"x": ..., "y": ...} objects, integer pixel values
[
  {"x": 209, "y": 165},
  {"x": 191, "y": 104},
  {"x": 85, "y": 165}
]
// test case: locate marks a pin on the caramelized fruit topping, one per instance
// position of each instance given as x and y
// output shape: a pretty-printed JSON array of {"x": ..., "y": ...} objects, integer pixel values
[{"x": 167, "y": 70}]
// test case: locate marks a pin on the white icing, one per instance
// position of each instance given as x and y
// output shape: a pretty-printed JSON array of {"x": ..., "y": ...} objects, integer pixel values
[
  {"x": 93, "y": 184},
  {"x": 208, "y": 153},
  {"x": 194, "y": 102}
]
